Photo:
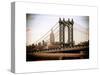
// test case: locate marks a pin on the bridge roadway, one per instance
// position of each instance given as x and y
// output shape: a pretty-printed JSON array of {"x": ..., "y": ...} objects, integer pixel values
[
  {"x": 78, "y": 48},
  {"x": 59, "y": 53}
]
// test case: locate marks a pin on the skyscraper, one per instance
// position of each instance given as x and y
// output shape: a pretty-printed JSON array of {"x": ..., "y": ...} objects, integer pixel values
[{"x": 52, "y": 38}]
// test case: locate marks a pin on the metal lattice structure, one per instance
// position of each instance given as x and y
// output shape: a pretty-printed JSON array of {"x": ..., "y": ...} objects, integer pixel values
[{"x": 62, "y": 25}]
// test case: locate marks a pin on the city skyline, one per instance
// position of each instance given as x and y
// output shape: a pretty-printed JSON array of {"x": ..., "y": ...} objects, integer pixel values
[{"x": 37, "y": 25}]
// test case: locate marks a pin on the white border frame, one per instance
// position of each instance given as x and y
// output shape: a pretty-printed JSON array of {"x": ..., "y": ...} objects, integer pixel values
[{"x": 18, "y": 60}]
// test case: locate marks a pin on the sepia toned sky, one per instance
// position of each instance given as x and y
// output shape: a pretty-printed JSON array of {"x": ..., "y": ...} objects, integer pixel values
[{"x": 39, "y": 24}]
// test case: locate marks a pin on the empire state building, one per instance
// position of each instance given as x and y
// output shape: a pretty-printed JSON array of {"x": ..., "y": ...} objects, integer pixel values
[{"x": 52, "y": 38}]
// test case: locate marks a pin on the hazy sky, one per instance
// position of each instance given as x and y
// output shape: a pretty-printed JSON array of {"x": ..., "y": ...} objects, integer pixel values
[{"x": 38, "y": 24}]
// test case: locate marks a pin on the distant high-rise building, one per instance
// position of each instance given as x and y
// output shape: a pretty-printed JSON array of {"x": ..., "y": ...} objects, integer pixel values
[
  {"x": 44, "y": 43},
  {"x": 52, "y": 38},
  {"x": 39, "y": 44}
]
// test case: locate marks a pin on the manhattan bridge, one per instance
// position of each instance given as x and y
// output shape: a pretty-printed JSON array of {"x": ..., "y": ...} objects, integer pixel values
[{"x": 63, "y": 41}]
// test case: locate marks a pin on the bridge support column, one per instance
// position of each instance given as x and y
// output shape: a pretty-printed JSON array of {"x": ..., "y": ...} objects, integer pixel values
[
  {"x": 68, "y": 35},
  {"x": 61, "y": 33},
  {"x": 71, "y": 35},
  {"x": 60, "y": 58},
  {"x": 71, "y": 31},
  {"x": 82, "y": 54}
]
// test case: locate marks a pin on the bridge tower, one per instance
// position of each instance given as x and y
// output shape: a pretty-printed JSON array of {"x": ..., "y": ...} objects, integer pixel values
[
  {"x": 61, "y": 32},
  {"x": 62, "y": 25}
]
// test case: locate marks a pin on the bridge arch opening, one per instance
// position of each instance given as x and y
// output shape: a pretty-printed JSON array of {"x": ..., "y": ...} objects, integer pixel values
[{"x": 66, "y": 34}]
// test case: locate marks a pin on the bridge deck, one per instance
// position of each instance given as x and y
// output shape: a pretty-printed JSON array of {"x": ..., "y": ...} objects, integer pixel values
[
  {"x": 65, "y": 49},
  {"x": 58, "y": 54},
  {"x": 63, "y": 53}
]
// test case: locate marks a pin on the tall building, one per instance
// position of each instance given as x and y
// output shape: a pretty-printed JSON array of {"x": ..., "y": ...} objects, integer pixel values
[
  {"x": 44, "y": 43},
  {"x": 52, "y": 38}
]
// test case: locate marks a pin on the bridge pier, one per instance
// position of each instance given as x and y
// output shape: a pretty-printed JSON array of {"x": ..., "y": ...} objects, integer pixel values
[
  {"x": 82, "y": 54},
  {"x": 60, "y": 58}
]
